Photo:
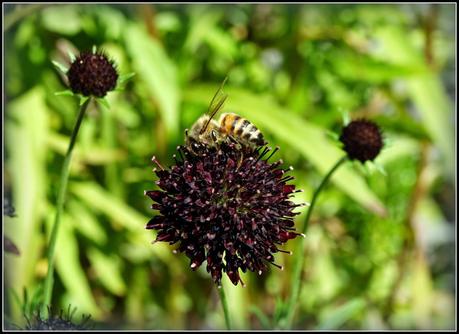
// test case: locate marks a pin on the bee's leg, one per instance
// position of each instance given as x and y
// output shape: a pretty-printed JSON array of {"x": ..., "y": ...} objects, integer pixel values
[
  {"x": 187, "y": 138},
  {"x": 213, "y": 134},
  {"x": 234, "y": 140}
]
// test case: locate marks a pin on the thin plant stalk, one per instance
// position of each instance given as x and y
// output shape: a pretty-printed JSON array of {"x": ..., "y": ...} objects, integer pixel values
[
  {"x": 48, "y": 288},
  {"x": 299, "y": 259},
  {"x": 225, "y": 307}
]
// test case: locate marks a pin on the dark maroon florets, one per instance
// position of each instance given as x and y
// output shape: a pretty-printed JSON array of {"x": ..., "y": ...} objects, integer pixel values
[
  {"x": 226, "y": 205},
  {"x": 362, "y": 140},
  {"x": 92, "y": 74},
  {"x": 62, "y": 321}
]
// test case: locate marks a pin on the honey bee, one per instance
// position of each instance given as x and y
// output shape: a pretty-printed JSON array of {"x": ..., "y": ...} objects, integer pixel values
[{"x": 229, "y": 125}]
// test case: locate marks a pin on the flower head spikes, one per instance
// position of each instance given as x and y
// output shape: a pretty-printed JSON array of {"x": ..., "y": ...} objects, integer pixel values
[
  {"x": 62, "y": 321},
  {"x": 226, "y": 205},
  {"x": 362, "y": 140},
  {"x": 92, "y": 74}
]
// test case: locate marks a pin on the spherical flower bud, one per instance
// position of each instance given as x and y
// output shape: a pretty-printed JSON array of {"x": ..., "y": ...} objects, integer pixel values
[
  {"x": 92, "y": 74},
  {"x": 226, "y": 205},
  {"x": 362, "y": 140}
]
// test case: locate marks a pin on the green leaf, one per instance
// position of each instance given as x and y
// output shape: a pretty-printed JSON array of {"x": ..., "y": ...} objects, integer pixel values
[
  {"x": 25, "y": 305},
  {"x": 16, "y": 298},
  {"x": 64, "y": 20},
  {"x": 98, "y": 198},
  {"x": 358, "y": 67},
  {"x": 72, "y": 57},
  {"x": 308, "y": 139},
  {"x": 94, "y": 49},
  {"x": 26, "y": 129},
  {"x": 86, "y": 223},
  {"x": 279, "y": 312},
  {"x": 83, "y": 99},
  {"x": 262, "y": 318},
  {"x": 125, "y": 77},
  {"x": 104, "y": 102},
  {"x": 425, "y": 89},
  {"x": 37, "y": 298},
  {"x": 346, "y": 117},
  {"x": 60, "y": 67},
  {"x": 337, "y": 317},
  {"x": 94, "y": 154},
  {"x": 159, "y": 74},
  {"x": 66, "y": 92},
  {"x": 108, "y": 270},
  {"x": 121, "y": 215},
  {"x": 380, "y": 168}
]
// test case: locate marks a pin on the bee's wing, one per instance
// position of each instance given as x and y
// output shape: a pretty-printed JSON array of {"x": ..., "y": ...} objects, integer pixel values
[{"x": 215, "y": 105}]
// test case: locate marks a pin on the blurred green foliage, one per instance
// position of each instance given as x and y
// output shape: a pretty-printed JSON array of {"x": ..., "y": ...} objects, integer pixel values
[{"x": 380, "y": 247}]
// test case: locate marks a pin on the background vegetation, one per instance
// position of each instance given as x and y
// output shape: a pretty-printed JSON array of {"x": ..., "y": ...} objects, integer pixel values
[{"x": 381, "y": 246}]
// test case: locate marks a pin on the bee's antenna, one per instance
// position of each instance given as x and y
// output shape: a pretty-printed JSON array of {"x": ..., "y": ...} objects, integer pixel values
[{"x": 211, "y": 110}]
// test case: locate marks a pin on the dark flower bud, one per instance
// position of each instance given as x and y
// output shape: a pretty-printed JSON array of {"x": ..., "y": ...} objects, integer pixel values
[
  {"x": 226, "y": 205},
  {"x": 8, "y": 208},
  {"x": 362, "y": 140},
  {"x": 62, "y": 321},
  {"x": 92, "y": 74}
]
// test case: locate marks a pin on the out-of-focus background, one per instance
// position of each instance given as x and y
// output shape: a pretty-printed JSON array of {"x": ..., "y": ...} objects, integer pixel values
[{"x": 380, "y": 250}]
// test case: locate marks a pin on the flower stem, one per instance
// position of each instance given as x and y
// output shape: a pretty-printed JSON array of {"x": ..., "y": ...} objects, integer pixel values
[
  {"x": 299, "y": 259},
  {"x": 225, "y": 307},
  {"x": 48, "y": 288}
]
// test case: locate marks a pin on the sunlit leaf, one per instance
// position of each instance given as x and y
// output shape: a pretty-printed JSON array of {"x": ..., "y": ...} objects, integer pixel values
[
  {"x": 107, "y": 268},
  {"x": 26, "y": 128},
  {"x": 156, "y": 69},
  {"x": 72, "y": 57},
  {"x": 125, "y": 77},
  {"x": 338, "y": 316},
  {"x": 121, "y": 215},
  {"x": 62, "y": 19},
  {"x": 66, "y": 92},
  {"x": 104, "y": 102},
  {"x": 83, "y": 99},
  {"x": 85, "y": 222},
  {"x": 60, "y": 67},
  {"x": 425, "y": 89},
  {"x": 262, "y": 318}
]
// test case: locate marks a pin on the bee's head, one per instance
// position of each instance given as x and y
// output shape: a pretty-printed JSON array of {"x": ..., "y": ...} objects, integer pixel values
[{"x": 198, "y": 127}]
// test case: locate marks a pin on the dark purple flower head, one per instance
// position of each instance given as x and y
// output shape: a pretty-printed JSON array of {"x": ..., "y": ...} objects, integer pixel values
[
  {"x": 226, "y": 205},
  {"x": 62, "y": 321},
  {"x": 362, "y": 140},
  {"x": 92, "y": 74}
]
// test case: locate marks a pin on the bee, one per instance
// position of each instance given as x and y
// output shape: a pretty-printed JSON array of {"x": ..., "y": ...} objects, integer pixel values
[{"x": 229, "y": 126}]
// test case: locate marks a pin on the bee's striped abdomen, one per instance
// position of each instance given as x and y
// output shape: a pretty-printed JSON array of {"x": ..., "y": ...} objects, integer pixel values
[
  {"x": 240, "y": 129},
  {"x": 228, "y": 123},
  {"x": 253, "y": 135}
]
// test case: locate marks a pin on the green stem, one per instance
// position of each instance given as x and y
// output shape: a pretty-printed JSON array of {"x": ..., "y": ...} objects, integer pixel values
[
  {"x": 48, "y": 289},
  {"x": 225, "y": 307},
  {"x": 299, "y": 259}
]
